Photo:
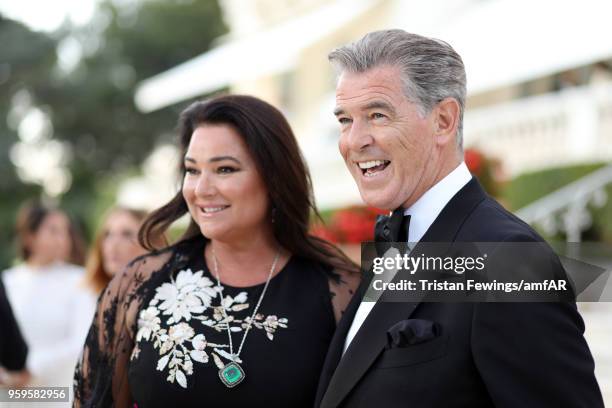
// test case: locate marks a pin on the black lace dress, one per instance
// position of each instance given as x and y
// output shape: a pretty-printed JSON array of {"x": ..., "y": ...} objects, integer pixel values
[{"x": 160, "y": 336}]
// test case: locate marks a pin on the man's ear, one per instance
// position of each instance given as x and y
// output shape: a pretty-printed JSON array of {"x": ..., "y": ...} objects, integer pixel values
[{"x": 446, "y": 120}]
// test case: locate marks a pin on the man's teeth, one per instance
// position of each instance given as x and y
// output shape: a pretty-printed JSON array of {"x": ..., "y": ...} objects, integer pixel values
[
  {"x": 372, "y": 163},
  {"x": 369, "y": 168}
]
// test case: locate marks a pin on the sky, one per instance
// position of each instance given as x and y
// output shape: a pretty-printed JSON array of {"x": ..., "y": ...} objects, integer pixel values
[{"x": 42, "y": 15}]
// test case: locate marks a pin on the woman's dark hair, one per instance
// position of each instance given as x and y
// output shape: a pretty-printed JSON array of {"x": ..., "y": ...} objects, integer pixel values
[
  {"x": 273, "y": 146},
  {"x": 29, "y": 219}
]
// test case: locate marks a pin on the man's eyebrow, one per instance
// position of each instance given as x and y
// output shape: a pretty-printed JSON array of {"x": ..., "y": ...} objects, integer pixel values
[
  {"x": 379, "y": 105},
  {"x": 371, "y": 105},
  {"x": 214, "y": 159}
]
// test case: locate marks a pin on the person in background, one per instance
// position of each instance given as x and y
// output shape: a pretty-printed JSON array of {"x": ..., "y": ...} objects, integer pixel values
[
  {"x": 115, "y": 244},
  {"x": 13, "y": 348},
  {"x": 44, "y": 291}
]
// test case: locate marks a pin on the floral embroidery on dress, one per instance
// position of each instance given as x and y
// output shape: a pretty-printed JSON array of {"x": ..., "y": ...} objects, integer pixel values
[{"x": 186, "y": 298}]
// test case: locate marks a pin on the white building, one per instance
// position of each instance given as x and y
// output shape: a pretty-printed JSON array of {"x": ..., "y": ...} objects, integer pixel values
[{"x": 539, "y": 74}]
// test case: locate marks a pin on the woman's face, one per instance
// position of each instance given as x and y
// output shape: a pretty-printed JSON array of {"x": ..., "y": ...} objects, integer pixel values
[
  {"x": 224, "y": 191},
  {"x": 51, "y": 242},
  {"x": 120, "y": 241}
]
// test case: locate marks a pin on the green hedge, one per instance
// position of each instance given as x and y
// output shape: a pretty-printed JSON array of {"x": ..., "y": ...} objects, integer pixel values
[{"x": 529, "y": 187}]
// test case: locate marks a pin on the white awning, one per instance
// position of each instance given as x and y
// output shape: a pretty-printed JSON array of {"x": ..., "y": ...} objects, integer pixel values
[
  {"x": 504, "y": 42},
  {"x": 265, "y": 53}
]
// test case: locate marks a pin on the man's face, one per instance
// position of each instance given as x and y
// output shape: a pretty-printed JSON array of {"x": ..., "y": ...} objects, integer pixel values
[{"x": 387, "y": 145}]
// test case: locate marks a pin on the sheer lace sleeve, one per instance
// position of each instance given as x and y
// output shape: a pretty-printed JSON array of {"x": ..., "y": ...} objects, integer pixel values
[
  {"x": 342, "y": 290},
  {"x": 101, "y": 374}
]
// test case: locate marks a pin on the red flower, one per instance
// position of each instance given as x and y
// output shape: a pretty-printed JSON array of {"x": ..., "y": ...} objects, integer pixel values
[
  {"x": 473, "y": 160},
  {"x": 350, "y": 225},
  {"x": 354, "y": 224},
  {"x": 323, "y": 232}
]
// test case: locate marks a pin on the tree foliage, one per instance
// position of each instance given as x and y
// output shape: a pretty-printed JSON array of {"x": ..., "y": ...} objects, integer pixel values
[{"x": 90, "y": 104}]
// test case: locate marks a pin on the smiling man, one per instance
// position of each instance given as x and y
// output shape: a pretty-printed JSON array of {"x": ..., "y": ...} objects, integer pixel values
[
  {"x": 394, "y": 151},
  {"x": 399, "y": 100}
]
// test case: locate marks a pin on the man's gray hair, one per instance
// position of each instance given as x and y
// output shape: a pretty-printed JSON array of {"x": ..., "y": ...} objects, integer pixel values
[{"x": 431, "y": 69}]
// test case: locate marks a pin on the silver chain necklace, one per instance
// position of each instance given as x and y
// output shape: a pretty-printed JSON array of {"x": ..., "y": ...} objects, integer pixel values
[{"x": 232, "y": 373}]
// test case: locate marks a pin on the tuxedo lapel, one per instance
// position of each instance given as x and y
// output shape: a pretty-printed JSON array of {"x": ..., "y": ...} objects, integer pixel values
[
  {"x": 364, "y": 349},
  {"x": 371, "y": 338}
]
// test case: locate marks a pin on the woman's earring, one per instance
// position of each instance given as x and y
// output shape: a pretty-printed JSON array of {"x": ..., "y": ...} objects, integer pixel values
[{"x": 273, "y": 215}]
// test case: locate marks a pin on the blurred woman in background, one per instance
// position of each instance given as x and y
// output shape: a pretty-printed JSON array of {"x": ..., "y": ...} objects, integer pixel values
[
  {"x": 51, "y": 308},
  {"x": 115, "y": 244}
]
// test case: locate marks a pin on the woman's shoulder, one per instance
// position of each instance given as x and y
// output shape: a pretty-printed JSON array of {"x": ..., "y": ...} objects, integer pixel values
[
  {"x": 129, "y": 287},
  {"x": 144, "y": 266},
  {"x": 342, "y": 290},
  {"x": 341, "y": 284},
  {"x": 345, "y": 281},
  {"x": 311, "y": 269},
  {"x": 149, "y": 262},
  {"x": 336, "y": 277},
  {"x": 9, "y": 274},
  {"x": 138, "y": 271},
  {"x": 17, "y": 275}
]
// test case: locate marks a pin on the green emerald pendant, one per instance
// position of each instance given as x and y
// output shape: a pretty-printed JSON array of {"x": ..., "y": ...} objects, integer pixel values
[{"x": 231, "y": 375}]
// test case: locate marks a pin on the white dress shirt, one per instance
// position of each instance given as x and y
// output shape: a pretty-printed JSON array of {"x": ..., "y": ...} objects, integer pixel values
[
  {"x": 422, "y": 214},
  {"x": 54, "y": 311}
]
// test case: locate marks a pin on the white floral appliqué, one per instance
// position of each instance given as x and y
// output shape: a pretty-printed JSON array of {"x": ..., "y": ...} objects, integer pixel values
[{"x": 184, "y": 299}]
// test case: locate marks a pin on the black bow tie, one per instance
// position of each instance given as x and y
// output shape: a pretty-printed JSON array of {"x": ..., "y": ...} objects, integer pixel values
[{"x": 391, "y": 228}]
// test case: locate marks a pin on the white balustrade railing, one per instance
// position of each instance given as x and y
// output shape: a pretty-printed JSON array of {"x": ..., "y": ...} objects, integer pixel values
[
  {"x": 567, "y": 209},
  {"x": 557, "y": 129}
]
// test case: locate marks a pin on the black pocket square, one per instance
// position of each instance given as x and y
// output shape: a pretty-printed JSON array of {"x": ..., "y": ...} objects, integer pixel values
[{"x": 412, "y": 331}]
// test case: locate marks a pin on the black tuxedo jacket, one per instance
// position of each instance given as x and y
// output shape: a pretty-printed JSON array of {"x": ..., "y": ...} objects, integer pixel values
[{"x": 486, "y": 354}]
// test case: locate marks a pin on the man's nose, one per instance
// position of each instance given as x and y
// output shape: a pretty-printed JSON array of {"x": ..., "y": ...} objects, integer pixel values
[{"x": 359, "y": 136}]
